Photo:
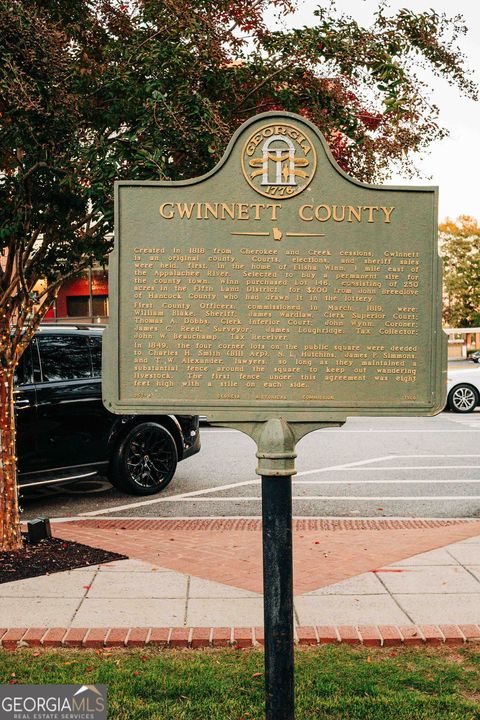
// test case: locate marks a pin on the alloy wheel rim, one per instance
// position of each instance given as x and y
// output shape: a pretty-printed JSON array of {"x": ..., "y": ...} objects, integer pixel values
[
  {"x": 149, "y": 459},
  {"x": 464, "y": 398}
]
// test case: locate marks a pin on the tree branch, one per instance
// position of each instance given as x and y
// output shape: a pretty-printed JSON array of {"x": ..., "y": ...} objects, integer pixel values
[
  {"x": 264, "y": 81},
  {"x": 31, "y": 243},
  {"x": 38, "y": 256},
  {"x": 21, "y": 270},
  {"x": 34, "y": 168},
  {"x": 84, "y": 221},
  {"x": 147, "y": 40},
  {"x": 10, "y": 259},
  {"x": 7, "y": 294}
]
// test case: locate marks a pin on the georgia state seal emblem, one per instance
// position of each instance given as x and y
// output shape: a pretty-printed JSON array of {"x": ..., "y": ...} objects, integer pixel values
[{"x": 279, "y": 160}]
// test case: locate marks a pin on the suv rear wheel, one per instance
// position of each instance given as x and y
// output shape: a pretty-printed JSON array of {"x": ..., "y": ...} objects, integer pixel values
[{"x": 145, "y": 461}]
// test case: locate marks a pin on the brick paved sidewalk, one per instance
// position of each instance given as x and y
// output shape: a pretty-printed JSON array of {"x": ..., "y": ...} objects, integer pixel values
[
  {"x": 229, "y": 551},
  {"x": 197, "y": 583}
]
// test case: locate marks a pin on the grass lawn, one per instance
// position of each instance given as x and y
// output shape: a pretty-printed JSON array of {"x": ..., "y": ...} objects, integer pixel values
[{"x": 338, "y": 683}]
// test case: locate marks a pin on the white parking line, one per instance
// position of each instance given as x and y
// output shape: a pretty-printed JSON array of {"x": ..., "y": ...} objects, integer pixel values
[
  {"x": 382, "y": 498},
  {"x": 372, "y": 431},
  {"x": 385, "y": 482},
  {"x": 473, "y": 420},
  {"x": 154, "y": 501},
  {"x": 217, "y": 430},
  {"x": 347, "y": 466},
  {"x": 414, "y": 467},
  {"x": 357, "y": 465},
  {"x": 218, "y": 488}
]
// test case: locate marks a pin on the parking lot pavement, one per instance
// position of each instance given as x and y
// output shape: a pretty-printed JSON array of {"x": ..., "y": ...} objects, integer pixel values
[{"x": 371, "y": 467}]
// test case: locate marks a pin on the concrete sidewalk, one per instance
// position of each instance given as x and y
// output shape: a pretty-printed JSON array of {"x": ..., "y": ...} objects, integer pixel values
[{"x": 437, "y": 591}]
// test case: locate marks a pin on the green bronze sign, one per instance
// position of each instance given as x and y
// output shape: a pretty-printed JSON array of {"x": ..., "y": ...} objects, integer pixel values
[{"x": 275, "y": 286}]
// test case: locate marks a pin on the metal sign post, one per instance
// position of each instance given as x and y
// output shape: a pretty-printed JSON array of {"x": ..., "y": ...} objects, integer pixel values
[
  {"x": 275, "y": 295},
  {"x": 276, "y": 456},
  {"x": 276, "y": 440},
  {"x": 278, "y": 596}
]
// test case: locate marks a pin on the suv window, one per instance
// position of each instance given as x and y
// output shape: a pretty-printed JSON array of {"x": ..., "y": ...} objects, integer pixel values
[
  {"x": 64, "y": 357},
  {"x": 96, "y": 350},
  {"x": 23, "y": 374}
]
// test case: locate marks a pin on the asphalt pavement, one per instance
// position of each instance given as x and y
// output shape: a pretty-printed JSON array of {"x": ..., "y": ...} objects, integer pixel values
[{"x": 371, "y": 467}]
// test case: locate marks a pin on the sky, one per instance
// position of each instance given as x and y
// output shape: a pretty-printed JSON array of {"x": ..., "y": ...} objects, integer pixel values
[{"x": 454, "y": 162}]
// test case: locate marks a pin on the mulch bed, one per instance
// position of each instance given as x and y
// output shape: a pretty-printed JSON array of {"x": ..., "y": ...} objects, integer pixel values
[{"x": 50, "y": 556}]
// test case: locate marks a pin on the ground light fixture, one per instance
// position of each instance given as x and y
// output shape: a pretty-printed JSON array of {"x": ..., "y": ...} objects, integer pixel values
[{"x": 38, "y": 529}]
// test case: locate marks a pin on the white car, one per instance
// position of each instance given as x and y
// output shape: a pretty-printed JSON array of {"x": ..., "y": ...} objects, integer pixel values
[{"x": 463, "y": 390}]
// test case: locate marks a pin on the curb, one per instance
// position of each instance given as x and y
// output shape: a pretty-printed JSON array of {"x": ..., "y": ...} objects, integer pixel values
[{"x": 240, "y": 638}]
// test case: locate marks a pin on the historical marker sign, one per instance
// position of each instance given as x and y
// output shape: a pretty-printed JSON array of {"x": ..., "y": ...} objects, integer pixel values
[{"x": 275, "y": 285}]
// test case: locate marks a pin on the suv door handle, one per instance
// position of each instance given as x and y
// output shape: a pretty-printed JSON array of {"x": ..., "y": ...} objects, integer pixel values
[{"x": 22, "y": 403}]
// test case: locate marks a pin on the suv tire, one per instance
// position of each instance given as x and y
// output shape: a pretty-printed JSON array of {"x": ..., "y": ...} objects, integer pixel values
[
  {"x": 463, "y": 398},
  {"x": 145, "y": 460}
]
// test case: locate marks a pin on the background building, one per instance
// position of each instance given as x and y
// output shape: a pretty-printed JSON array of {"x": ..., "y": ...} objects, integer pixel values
[{"x": 83, "y": 298}]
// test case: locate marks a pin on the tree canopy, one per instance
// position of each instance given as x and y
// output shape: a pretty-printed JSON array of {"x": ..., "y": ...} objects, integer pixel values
[
  {"x": 97, "y": 90},
  {"x": 460, "y": 250}
]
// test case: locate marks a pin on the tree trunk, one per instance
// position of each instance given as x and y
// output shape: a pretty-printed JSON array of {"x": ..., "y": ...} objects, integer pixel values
[{"x": 10, "y": 536}]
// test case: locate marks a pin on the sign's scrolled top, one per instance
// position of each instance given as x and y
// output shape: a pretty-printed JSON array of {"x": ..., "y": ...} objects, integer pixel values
[{"x": 275, "y": 286}]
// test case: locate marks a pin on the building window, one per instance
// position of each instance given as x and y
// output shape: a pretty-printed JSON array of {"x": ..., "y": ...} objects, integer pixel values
[
  {"x": 100, "y": 305},
  {"x": 78, "y": 306}
]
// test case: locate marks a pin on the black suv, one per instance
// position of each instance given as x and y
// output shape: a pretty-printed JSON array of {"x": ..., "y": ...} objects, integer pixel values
[{"x": 65, "y": 433}]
